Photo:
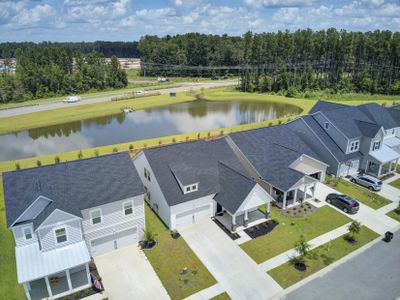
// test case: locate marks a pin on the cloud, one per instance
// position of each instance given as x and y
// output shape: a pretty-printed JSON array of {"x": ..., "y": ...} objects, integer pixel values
[{"x": 278, "y": 3}]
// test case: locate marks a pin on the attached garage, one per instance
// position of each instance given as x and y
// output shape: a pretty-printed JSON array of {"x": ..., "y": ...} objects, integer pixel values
[
  {"x": 114, "y": 241},
  {"x": 349, "y": 168},
  {"x": 192, "y": 216}
]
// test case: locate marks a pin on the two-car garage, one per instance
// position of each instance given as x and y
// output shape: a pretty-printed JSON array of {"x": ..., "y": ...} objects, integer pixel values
[
  {"x": 116, "y": 240},
  {"x": 193, "y": 215}
]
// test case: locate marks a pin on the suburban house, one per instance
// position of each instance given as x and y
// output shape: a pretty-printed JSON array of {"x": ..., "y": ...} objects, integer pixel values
[
  {"x": 192, "y": 181},
  {"x": 230, "y": 177},
  {"x": 63, "y": 214},
  {"x": 352, "y": 138}
]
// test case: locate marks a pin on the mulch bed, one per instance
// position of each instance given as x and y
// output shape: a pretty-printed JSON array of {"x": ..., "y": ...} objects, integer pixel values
[
  {"x": 385, "y": 177},
  {"x": 299, "y": 211},
  {"x": 261, "y": 229},
  {"x": 233, "y": 236}
]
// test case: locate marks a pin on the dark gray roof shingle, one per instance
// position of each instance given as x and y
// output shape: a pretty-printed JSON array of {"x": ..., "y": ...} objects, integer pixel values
[
  {"x": 201, "y": 156},
  {"x": 72, "y": 186},
  {"x": 325, "y": 106},
  {"x": 380, "y": 115},
  {"x": 183, "y": 173},
  {"x": 234, "y": 188}
]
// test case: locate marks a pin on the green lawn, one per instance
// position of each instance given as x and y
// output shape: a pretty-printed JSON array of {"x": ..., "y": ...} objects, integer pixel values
[
  {"x": 283, "y": 237},
  {"x": 396, "y": 183},
  {"x": 223, "y": 296},
  {"x": 394, "y": 215},
  {"x": 9, "y": 287},
  {"x": 320, "y": 257},
  {"x": 170, "y": 256},
  {"x": 358, "y": 192}
]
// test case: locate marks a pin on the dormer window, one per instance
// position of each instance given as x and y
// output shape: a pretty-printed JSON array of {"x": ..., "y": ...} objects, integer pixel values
[
  {"x": 27, "y": 233},
  {"x": 354, "y": 146},
  {"x": 376, "y": 145},
  {"x": 327, "y": 125},
  {"x": 191, "y": 188}
]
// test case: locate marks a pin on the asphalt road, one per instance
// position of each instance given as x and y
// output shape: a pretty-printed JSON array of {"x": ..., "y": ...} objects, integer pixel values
[
  {"x": 98, "y": 99},
  {"x": 373, "y": 274}
]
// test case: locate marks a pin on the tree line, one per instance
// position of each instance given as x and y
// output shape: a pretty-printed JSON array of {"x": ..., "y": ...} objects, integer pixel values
[
  {"x": 108, "y": 49},
  {"x": 304, "y": 60},
  {"x": 53, "y": 71}
]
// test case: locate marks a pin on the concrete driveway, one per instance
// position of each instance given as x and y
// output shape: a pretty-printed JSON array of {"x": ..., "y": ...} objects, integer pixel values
[
  {"x": 127, "y": 274},
  {"x": 374, "y": 219},
  {"x": 234, "y": 270}
]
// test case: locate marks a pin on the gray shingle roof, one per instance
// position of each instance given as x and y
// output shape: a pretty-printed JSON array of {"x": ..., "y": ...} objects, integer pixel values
[
  {"x": 380, "y": 115},
  {"x": 183, "y": 173},
  {"x": 271, "y": 150},
  {"x": 234, "y": 188},
  {"x": 72, "y": 186},
  {"x": 202, "y": 157},
  {"x": 325, "y": 106},
  {"x": 368, "y": 129}
]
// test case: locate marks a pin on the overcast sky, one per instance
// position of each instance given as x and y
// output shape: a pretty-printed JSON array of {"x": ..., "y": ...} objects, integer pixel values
[{"x": 127, "y": 20}]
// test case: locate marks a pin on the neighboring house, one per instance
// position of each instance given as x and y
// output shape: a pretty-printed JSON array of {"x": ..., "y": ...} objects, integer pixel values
[
  {"x": 352, "y": 139},
  {"x": 281, "y": 162},
  {"x": 63, "y": 214},
  {"x": 193, "y": 181}
]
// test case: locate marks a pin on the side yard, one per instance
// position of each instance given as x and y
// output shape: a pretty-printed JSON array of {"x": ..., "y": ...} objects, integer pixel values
[
  {"x": 288, "y": 231},
  {"x": 320, "y": 257},
  {"x": 9, "y": 287},
  {"x": 170, "y": 257},
  {"x": 357, "y": 192}
]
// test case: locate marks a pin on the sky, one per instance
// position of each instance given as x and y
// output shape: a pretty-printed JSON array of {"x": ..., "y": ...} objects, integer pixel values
[{"x": 128, "y": 20}]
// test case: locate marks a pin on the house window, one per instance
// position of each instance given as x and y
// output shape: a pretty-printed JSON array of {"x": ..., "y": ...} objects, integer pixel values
[
  {"x": 61, "y": 235},
  {"x": 188, "y": 189},
  {"x": 147, "y": 174},
  {"x": 27, "y": 233},
  {"x": 354, "y": 146},
  {"x": 128, "y": 208},
  {"x": 376, "y": 145},
  {"x": 327, "y": 125},
  {"x": 194, "y": 187},
  {"x": 95, "y": 215}
]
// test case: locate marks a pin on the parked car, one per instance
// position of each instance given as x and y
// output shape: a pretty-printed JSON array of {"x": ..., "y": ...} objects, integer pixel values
[
  {"x": 72, "y": 99},
  {"x": 139, "y": 92},
  {"x": 344, "y": 202},
  {"x": 370, "y": 182}
]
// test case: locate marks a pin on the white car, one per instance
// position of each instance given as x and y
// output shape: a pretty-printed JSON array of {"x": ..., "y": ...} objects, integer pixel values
[{"x": 72, "y": 99}]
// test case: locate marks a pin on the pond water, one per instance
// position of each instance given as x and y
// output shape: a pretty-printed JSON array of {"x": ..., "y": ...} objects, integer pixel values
[{"x": 173, "y": 119}]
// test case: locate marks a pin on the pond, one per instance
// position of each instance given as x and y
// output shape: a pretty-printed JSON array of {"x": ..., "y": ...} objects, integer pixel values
[{"x": 200, "y": 115}]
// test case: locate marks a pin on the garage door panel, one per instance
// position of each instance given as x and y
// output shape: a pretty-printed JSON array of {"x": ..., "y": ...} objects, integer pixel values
[
  {"x": 193, "y": 215},
  {"x": 126, "y": 237},
  {"x": 114, "y": 241},
  {"x": 102, "y": 245}
]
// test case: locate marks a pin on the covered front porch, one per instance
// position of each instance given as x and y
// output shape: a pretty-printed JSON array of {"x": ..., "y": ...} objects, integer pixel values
[
  {"x": 55, "y": 273},
  {"x": 299, "y": 193},
  {"x": 382, "y": 162}
]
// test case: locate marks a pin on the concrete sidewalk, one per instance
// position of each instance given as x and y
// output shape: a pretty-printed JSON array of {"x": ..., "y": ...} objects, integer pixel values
[
  {"x": 207, "y": 293},
  {"x": 314, "y": 243}
]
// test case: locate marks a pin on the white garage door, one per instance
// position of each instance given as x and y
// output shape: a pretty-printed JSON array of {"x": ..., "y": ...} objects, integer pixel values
[
  {"x": 192, "y": 216},
  {"x": 114, "y": 241},
  {"x": 349, "y": 170}
]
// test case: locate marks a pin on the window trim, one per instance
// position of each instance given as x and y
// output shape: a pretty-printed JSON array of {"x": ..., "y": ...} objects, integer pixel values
[
  {"x": 30, "y": 230},
  {"x": 376, "y": 143},
  {"x": 353, "y": 144},
  {"x": 188, "y": 189},
  {"x": 91, "y": 218},
  {"x": 123, "y": 208},
  {"x": 66, "y": 234}
]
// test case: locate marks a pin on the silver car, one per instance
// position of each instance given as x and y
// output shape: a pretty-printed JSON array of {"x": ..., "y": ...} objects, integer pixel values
[{"x": 370, "y": 182}]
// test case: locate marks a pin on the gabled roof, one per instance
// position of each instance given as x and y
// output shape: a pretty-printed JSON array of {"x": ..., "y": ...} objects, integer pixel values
[
  {"x": 368, "y": 129},
  {"x": 72, "y": 186},
  {"x": 325, "y": 106},
  {"x": 381, "y": 115},
  {"x": 201, "y": 156},
  {"x": 271, "y": 151},
  {"x": 234, "y": 188},
  {"x": 183, "y": 173}
]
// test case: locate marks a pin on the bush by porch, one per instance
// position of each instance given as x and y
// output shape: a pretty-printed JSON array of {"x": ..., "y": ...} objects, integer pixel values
[
  {"x": 320, "y": 257},
  {"x": 357, "y": 192},
  {"x": 289, "y": 229},
  {"x": 169, "y": 259}
]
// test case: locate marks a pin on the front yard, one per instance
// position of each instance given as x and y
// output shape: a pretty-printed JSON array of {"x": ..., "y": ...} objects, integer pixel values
[
  {"x": 394, "y": 214},
  {"x": 170, "y": 257},
  {"x": 320, "y": 257},
  {"x": 357, "y": 192},
  {"x": 9, "y": 287},
  {"x": 396, "y": 183},
  {"x": 283, "y": 237}
]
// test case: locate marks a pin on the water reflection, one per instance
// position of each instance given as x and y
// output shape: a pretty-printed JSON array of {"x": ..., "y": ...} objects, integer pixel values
[{"x": 143, "y": 124}]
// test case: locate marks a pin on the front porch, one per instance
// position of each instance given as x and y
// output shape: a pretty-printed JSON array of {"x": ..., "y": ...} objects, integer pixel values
[
  {"x": 57, "y": 285},
  {"x": 382, "y": 162},
  {"x": 241, "y": 222},
  {"x": 295, "y": 196}
]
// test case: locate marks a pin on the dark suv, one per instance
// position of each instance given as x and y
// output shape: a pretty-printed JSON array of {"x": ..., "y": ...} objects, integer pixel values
[{"x": 344, "y": 202}]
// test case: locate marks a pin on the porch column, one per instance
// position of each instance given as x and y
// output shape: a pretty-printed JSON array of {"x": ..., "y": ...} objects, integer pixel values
[
  {"x": 284, "y": 200},
  {"x": 379, "y": 170},
  {"x": 233, "y": 223},
  {"x": 390, "y": 166},
  {"x": 395, "y": 165},
  {"x": 246, "y": 218},
  {"x": 305, "y": 193},
  {"x": 88, "y": 273},
  {"x": 69, "y": 279},
  {"x": 268, "y": 210},
  {"x": 313, "y": 190},
  {"x": 48, "y": 286},
  {"x": 270, "y": 190},
  {"x": 295, "y": 195},
  {"x": 27, "y": 288}
]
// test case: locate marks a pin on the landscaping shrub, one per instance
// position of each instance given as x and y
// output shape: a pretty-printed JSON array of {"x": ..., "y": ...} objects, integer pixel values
[
  {"x": 115, "y": 150},
  {"x": 130, "y": 147},
  {"x": 56, "y": 159},
  {"x": 17, "y": 166},
  {"x": 38, "y": 163},
  {"x": 80, "y": 154},
  {"x": 96, "y": 152}
]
